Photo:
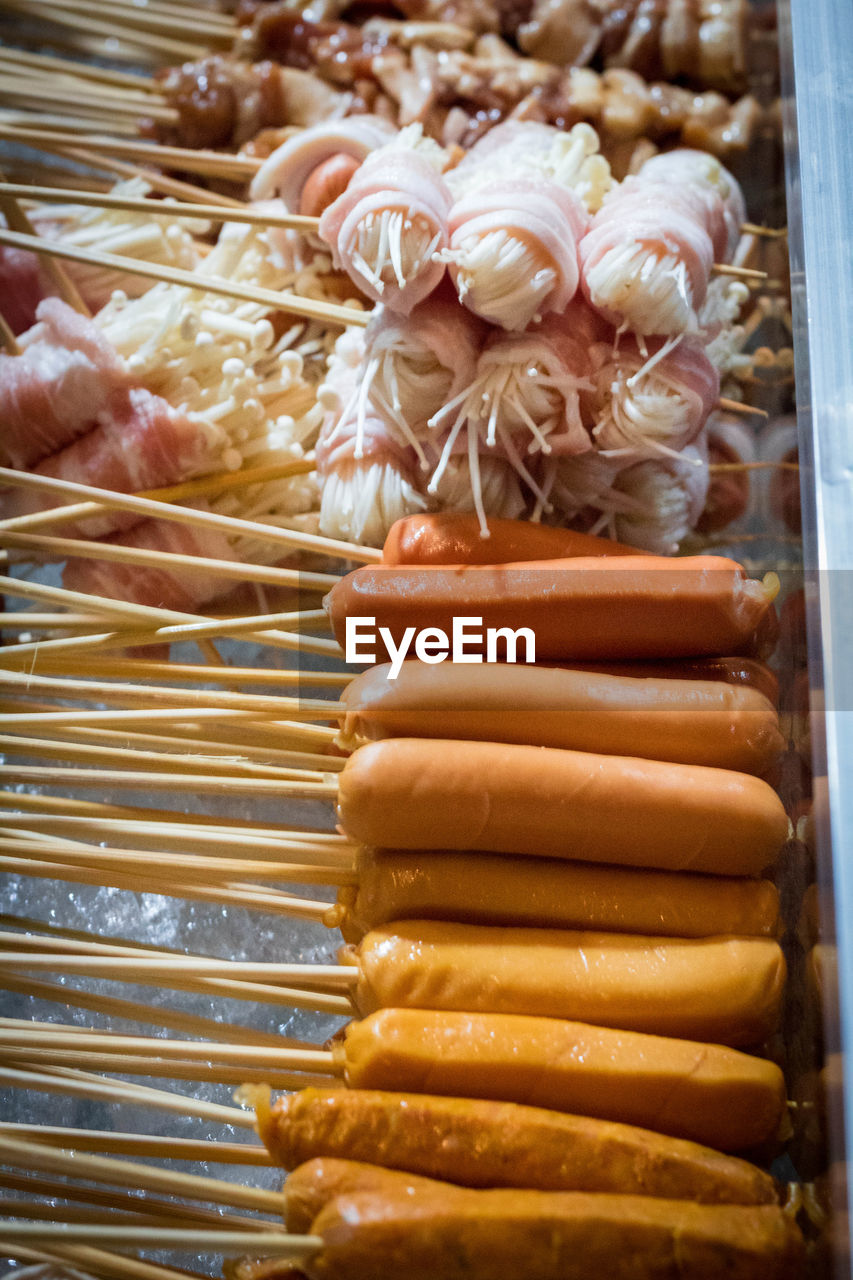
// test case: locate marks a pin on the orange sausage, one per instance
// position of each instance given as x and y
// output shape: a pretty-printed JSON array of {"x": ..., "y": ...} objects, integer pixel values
[
  {"x": 688, "y": 721},
  {"x": 727, "y": 990},
  {"x": 328, "y": 181},
  {"x": 312, "y": 1185},
  {"x": 748, "y": 672},
  {"x": 549, "y": 1235},
  {"x": 609, "y": 607},
  {"x": 477, "y": 1142},
  {"x": 399, "y": 884},
  {"x": 706, "y": 1093},
  {"x": 454, "y": 537},
  {"x": 419, "y": 793}
]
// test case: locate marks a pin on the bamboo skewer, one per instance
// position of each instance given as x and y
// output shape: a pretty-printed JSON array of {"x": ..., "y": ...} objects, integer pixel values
[
  {"x": 87, "y": 753},
  {"x": 98, "y": 1262},
  {"x": 287, "y": 538},
  {"x": 145, "y": 669},
  {"x": 115, "y": 553},
  {"x": 92, "y": 103},
  {"x": 306, "y": 308},
  {"x": 174, "y": 209},
  {"x": 66, "y": 125},
  {"x": 740, "y": 273},
  {"x": 208, "y": 163},
  {"x": 272, "y": 901},
  {"x": 123, "y": 1206},
  {"x": 156, "y": 181},
  {"x": 129, "y": 19},
  {"x": 7, "y": 337},
  {"x": 68, "y": 806},
  {"x": 130, "y": 695},
  {"x": 179, "y": 867},
  {"x": 82, "y": 1084},
  {"x": 164, "y": 46},
  {"x": 337, "y": 977},
  {"x": 141, "y": 85},
  {"x": 123, "y": 1173},
  {"x": 269, "y": 1243},
  {"x": 737, "y": 406},
  {"x": 199, "y": 784},
  {"x": 19, "y": 223},
  {"x": 152, "y": 1067}
]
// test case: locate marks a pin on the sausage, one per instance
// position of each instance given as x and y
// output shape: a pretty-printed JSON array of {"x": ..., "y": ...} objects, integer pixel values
[
  {"x": 454, "y": 537},
  {"x": 477, "y": 1142},
  {"x": 589, "y": 608},
  {"x": 418, "y": 793},
  {"x": 688, "y": 721},
  {"x": 324, "y": 184},
  {"x": 748, "y": 672},
  {"x": 312, "y": 1185},
  {"x": 549, "y": 1235},
  {"x": 398, "y": 884},
  {"x": 726, "y": 990},
  {"x": 707, "y": 1093}
]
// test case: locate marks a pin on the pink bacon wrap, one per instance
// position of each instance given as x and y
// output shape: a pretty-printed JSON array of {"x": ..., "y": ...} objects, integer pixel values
[
  {"x": 514, "y": 248},
  {"x": 702, "y": 175},
  {"x": 140, "y": 443},
  {"x": 287, "y": 170},
  {"x": 388, "y": 225},
  {"x": 51, "y": 394},
  {"x": 183, "y": 589},
  {"x": 655, "y": 403}
]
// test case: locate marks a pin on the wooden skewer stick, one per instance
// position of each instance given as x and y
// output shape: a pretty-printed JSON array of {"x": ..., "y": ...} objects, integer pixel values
[
  {"x": 289, "y": 538},
  {"x": 92, "y": 104},
  {"x": 781, "y": 465},
  {"x": 26, "y": 620},
  {"x": 19, "y": 223},
  {"x": 307, "y": 308},
  {"x": 154, "y": 1068},
  {"x": 139, "y": 84},
  {"x": 69, "y": 806},
  {"x": 166, "y": 46},
  {"x": 126, "y": 20},
  {"x": 740, "y": 273},
  {"x": 96, "y": 1262},
  {"x": 339, "y": 977},
  {"x": 228, "y": 893},
  {"x": 123, "y": 1207},
  {"x": 218, "y": 752},
  {"x": 123, "y": 1173},
  {"x": 145, "y": 669},
  {"x": 194, "y": 783},
  {"x": 18, "y": 1034},
  {"x": 166, "y": 837},
  {"x": 175, "y": 209},
  {"x": 7, "y": 337},
  {"x": 233, "y": 988},
  {"x": 172, "y": 1019},
  {"x": 115, "y": 553},
  {"x": 81, "y": 1084},
  {"x": 755, "y": 229},
  {"x": 271, "y": 1243},
  {"x": 66, "y": 125},
  {"x": 124, "y": 757},
  {"x": 186, "y": 867},
  {"x": 208, "y": 163},
  {"x": 154, "y": 695},
  {"x": 737, "y": 406},
  {"x": 156, "y": 181}
]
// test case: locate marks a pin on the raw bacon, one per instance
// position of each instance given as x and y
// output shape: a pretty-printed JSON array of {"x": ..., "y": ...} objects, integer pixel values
[
  {"x": 184, "y": 589},
  {"x": 389, "y": 224},
  {"x": 285, "y": 172},
  {"x": 52, "y": 393},
  {"x": 140, "y": 443}
]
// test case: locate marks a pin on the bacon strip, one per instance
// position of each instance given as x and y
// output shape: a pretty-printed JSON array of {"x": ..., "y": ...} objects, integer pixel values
[
  {"x": 52, "y": 393},
  {"x": 285, "y": 172}
]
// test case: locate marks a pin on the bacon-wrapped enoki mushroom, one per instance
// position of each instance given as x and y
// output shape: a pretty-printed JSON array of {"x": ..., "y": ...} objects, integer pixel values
[
  {"x": 414, "y": 365},
  {"x": 319, "y": 162},
  {"x": 391, "y": 221},
  {"x": 51, "y": 394},
  {"x": 647, "y": 258},
  {"x": 652, "y": 404},
  {"x": 667, "y": 496},
  {"x": 366, "y": 468},
  {"x": 518, "y": 219}
]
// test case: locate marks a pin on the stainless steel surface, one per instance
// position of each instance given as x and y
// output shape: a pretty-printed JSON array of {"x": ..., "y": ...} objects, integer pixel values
[{"x": 818, "y": 112}]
